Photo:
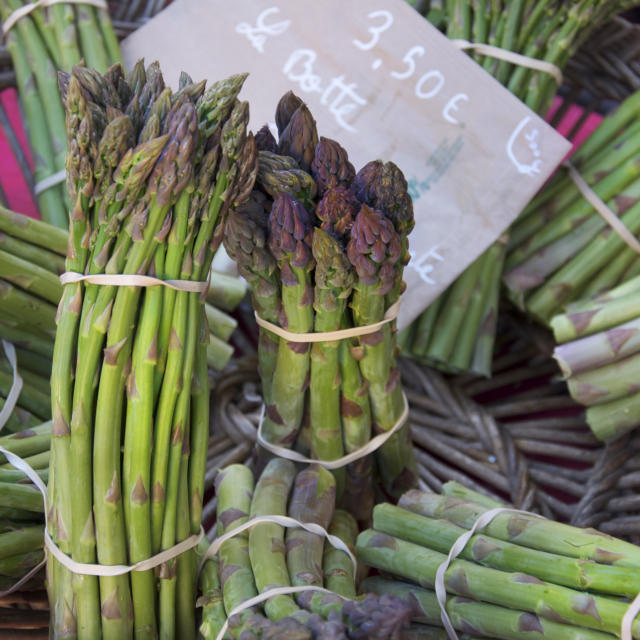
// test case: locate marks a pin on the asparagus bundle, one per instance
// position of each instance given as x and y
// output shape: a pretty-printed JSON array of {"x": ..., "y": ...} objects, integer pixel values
[
  {"x": 265, "y": 557},
  {"x": 527, "y": 576},
  {"x": 152, "y": 175},
  {"x": 339, "y": 268},
  {"x": 47, "y": 39},
  {"x": 457, "y": 331},
  {"x": 598, "y": 352},
  {"x": 562, "y": 249}
]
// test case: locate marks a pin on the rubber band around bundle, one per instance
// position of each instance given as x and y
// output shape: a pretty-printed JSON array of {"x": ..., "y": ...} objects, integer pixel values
[
  {"x": 134, "y": 280},
  {"x": 327, "y": 336},
  {"x": 605, "y": 212},
  {"x": 458, "y": 547},
  {"x": 9, "y": 405},
  {"x": 16, "y": 385},
  {"x": 371, "y": 446},
  {"x": 513, "y": 57},
  {"x": 32, "y": 6},
  {"x": 50, "y": 181},
  {"x": 284, "y": 521}
]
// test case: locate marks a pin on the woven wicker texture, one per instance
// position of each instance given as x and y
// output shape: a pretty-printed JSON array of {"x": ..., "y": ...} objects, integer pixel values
[
  {"x": 517, "y": 437},
  {"x": 608, "y": 65}
]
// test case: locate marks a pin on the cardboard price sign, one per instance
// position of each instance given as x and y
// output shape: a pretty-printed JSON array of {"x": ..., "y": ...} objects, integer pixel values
[{"x": 386, "y": 84}]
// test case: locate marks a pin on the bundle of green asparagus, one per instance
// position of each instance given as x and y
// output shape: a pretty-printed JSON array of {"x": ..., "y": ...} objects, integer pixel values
[
  {"x": 561, "y": 248},
  {"x": 264, "y": 557},
  {"x": 323, "y": 249},
  {"x": 46, "y": 39},
  {"x": 457, "y": 331},
  {"x": 21, "y": 506},
  {"x": 152, "y": 175},
  {"x": 597, "y": 352},
  {"x": 522, "y": 577}
]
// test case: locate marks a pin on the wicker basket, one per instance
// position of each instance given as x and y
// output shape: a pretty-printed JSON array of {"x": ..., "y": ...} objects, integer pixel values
[{"x": 517, "y": 437}]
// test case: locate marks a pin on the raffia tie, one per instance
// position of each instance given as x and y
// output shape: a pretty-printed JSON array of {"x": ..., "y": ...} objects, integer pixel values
[
  {"x": 134, "y": 280},
  {"x": 602, "y": 209},
  {"x": 513, "y": 57}
]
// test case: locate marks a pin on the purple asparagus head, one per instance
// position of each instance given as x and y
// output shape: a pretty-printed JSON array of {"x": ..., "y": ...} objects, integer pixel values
[
  {"x": 331, "y": 166},
  {"x": 374, "y": 249}
]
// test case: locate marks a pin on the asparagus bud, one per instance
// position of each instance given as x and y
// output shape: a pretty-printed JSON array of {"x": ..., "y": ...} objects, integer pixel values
[
  {"x": 331, "y": 166},
  {"x": 337, "y": 210},
  {"x": 300, "y": 137},
  {"x": 374, "y": 249},
  {"x": 265, "y": 140},
  {"x": 285, "y": 109}
]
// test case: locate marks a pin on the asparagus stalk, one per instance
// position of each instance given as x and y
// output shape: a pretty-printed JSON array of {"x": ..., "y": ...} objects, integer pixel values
[
  {"x": 373, "y": 250},
  {"x": 334, "y": 280},
  {"x": 266, "y": 541},
  {"x": 213, "y": 614},
  {"x": 336, "y": 564},
  {"x": 612, "y": 419},
  {"x": 234, "y": 491},
  {"x": 289, "y": 242},
  {"x": 589, "y": 317},
  {"x": 527, "y": 530},
  {"x": 312, "y": 500},
  {"x": 245, "y": 240}
]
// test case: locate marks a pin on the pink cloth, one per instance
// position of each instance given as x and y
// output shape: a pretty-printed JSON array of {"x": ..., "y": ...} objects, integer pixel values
[
  {"x": 12, "y": 180},
  {"x": 569, "y": 120}
]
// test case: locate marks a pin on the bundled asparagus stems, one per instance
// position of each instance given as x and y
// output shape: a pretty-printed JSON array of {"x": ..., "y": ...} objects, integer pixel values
[
  {"x": 528, "y": 577},
  {"x": 339, "y": 268},
  {"x": 561, "y": 249},
  {"x": 21, "y": 506},
  {"x": 47, "y": 39},
  {"x": 443, "y": 336},
  {"x": 598, "y": 352},
  {"x": 266, "y": 556},
  {"x": 152, "y": 175}
]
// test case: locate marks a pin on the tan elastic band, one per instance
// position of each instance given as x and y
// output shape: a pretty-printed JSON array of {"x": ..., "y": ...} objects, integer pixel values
[
  {"x": 370, "y": 447},
  {"x": 284, "y": 521},
  {"x": 49, "y": 181},
  {"x": 96, "y": 569},
  {"x": 7, "y": 410},
  {"x": 628, "y": 618},
  {"x": 456, "y": 549},
  {"x": 32, "y": 6},
  {"x": 609, "y": 216},
  {"x": 267, "y": 595},
  {"x": 513, "y": 57},
  {"x": 16, "y": 385},
  {"x": 326, "y": 336},
  {"x": 133, "y": 280}
]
